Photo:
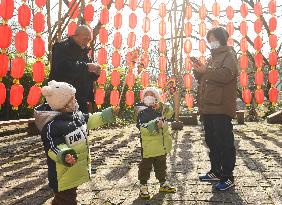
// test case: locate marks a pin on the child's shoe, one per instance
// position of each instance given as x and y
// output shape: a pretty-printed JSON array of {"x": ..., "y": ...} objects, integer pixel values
[
  {"x": 210, "y": 176},
  {"x": 224, "y": 184},
  {"x": 167, "y": 188},
  {"x": 144, "y": 193}
]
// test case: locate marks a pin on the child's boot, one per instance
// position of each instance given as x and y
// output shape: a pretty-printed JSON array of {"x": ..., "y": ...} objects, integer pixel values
[
  {"x": 144, "y": 193},
  {"x": 167, "y": 188}
]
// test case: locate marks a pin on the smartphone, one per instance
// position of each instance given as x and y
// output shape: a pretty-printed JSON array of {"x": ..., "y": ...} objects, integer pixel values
[{"x": 195, "y": 60}]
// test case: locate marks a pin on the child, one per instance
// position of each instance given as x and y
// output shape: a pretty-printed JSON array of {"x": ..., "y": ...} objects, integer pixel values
[
  {"x": 156, "y": 141},
  {"x": 64, "y": 135}
]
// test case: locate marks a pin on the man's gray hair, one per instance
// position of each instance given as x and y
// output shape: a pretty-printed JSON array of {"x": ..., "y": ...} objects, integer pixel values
[{"x": 82, "y": 28}]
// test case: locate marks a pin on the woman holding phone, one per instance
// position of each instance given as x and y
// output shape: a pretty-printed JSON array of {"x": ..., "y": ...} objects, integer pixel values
[{"x": 217, "y": 103}]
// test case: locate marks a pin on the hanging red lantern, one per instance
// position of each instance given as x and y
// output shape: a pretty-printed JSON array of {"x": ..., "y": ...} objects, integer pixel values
[
  {"x": 119, "y": 4},
  {"x": 258, "y": 26},
  {"x": 272, "y": 7},
  {"x": 88, "y": 13},
  {"x": 244, "y": 28},
  {"x": 273, "y": 41},
  {"x": 162, "y": 10},
  {"x": 230, "y": 12},
  {"x": 102, "y": 78},
  {"x": 4, "y": 65},
  {"x": 244, "y": 62},
  {"x": 188, "y": 64},
  {"x": 73, "y": 9},
  {"x": 259, "y": 96},
  {"x": 133, "y": 4},
  {"x": 115, "y": 78},
  {"x": 230, "y": 28},
  {"x": 118, "y": 21},
  {"x": 258, "y": 60},
  {"x": 145, "y": 42},
  {"x": 188, "y": 46},
  {"x": 162, "y": 28},
  {"x": 244, "y": 45},
  {"x": 132, "y": 20},
  {"x": 117, "y": 40},
  {"x": 273, "y": 95},
  {"x": 162, "y": 80},
  {"x": 145, "y": 59},
  {"x": 105, "y": 2},
  {"x": 259, "y": 78},
  {"x": 216, "y": 9},
  {"x": 162, "y": 45},
  {"x": 6, "y": 9},
  {"x": 244, "y": 79},
  {"x": 272, "y": 24},
  {"x": 145, "y": 78},
  {"x": 162, "y": 63},
  {"x": 131, "y": 39},
  {"x": 203, "y": 12},
  {"x": 102, "y": 56},
  {"x": 18, "y": 65},
  {"x": 215, "y": 23},
  {"x": 104, "y": 16},
  {"x": 189, "y": 100},
  {"x": 100, "y": 96},
  {"x": 16, "y": 95},
  {"x": 147, "y": 6},
  {"x": 5, "y": 36},
  {"x": 146, "y": 24},
  {"x": 34, "y": 96},
  {"x": 202, "y": 29},
  {"x": 38, "y": 71},
  {"x": 244, "y": 10},
  {"x": 130, "y": 79},
  {"x": 71, "y": 28},
  {"x": 38, "y": 47},
  {"x": 103, "y": 35},
  {"x": 40, "y": 3},
  {"x": 114, "y": 98},
  {"x": 21, "y": 41},
  {"x": 258, "y": 9},
  {"x": 188, "y": 80},
  {"x": 116, "y": 59},
  {"x": 188, "y": 29},
  {"x": 188, "y": 12},
  {"x": 202, "y": 46},
  {"x": 258, "y": 43},
  {"x": 24, "y": 15},
  {"x": 129, "y": 97},
  {"x": 39, "y": 22},
  {"x": 2, "y": 94},
  {"x": 273, "y": 57},
  {"x": 247, "y": 96},
  {"x": 273, "y": 77}
]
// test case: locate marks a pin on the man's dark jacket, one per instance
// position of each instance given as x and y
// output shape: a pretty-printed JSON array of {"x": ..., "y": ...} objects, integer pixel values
[{"x": 69, "y": 64}]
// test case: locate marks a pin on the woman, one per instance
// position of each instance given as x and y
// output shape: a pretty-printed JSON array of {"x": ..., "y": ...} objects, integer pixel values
[{"x": 217, "y": 102}]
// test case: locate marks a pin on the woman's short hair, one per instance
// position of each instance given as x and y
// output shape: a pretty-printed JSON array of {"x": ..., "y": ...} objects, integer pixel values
[{"x": 220, "y": 34}]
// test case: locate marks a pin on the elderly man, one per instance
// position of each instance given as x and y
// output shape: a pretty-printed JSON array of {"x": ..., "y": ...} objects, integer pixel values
[{"x": 71, "y": 64}]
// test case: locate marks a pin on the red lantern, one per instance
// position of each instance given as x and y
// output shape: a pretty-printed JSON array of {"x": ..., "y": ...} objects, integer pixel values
[
  {"x": 202, "y": 46},
  {"x": 162, "y": 28},
  {"x": 273, "y": 95},
  {"x": 147, "y": 6},
  {"x": 230, "y": 28},
  {"x": 100, "y": 96},
  {"x": 145, "y": 59},
  {"x": 74, "y": 9},
  {"x": 103, "y": 35},
  {"x": 189, "y": 100},
  {"x": 229, "y": 12},
  {"x": 145, "y": 42},
  {"x": 258, "y": 43},
  {"x": 116, "y": 59},
  {"x": 202, "y": 29},
  {"x": 129, "y": 97},
  {"x": 131, "y": 39},
  {"x": 188, "y": 80},
  {"x": 162, "y": 63},
  {"x": 118, "y": 21},
  {"x": 102, "y": 78},
  {"x": 244, "y": 45},
  {"x": 88, "y": 14},
  {"x": 259, "y": 96},
  {"x": 273, "y": 77},
  {"x": 258, "y": 26},
  {"x": 244, "y": 10},
  {"x": 4, "y": 64},
  {"x": 247, "y": 96},
  {"x": 24, "y": 15},
  {"x": 40, "y": 3},
  {"x": 38, "y": 47},
  {"x": 259, "y": 79},
  {"x": 5, "y": 36},
  {"x": 244, "y": 28},
  {"x": 188, "y": 29},
  {"x": 119, "y": 4},
  {"x": 71, "y": 28},
  {"x": 114, "y": 98},
  {"x": 39, "y": 22},
  {"x": 2, "y": 94},
  {"x": 162, "y": 10},
  {"x": 133, "y": 4},
  {"x": 6, "y": 9},
  {"x": 273, "y": 41},
  {"x": 130, "y": 79},
  {"x": 188, "y": 64},
  {"x": 21, "y": 41},
  {"x": 104, "y": 16},
  {"x": 272, "y": 24},
  {"x": 16, "y": 95},
  {"x": 258, "y": 60},
  {"x": 102, "y": 56},
  {"x": 146, "y": 24},
  {"x": 244, "y": 62},
  {"x": 216, "y": 9},
  {"x": 38, "y": 71},
  {"x": 215, "y": 23},
  {"x": 145, "y": 79},
  {"x": 115, "y": 78},
  {"x": 244, "y": 80},
  {"x": 188, "y": 12},
  {"x": 272, "y": 7},
  {"x": 162, "y": 45},
  {"x": 203, "y": 12},
  {"x": 132, "y": 20},
  {"x": 258, "y": 9},
  {"x": 105, "y": 2},
  {"x": 117, "y": 40},
  {"x": 187, "y": 46},
  {"x": 18, "y": 65},
  {"x": 162, "y": 80},
  {"x": 34, "y": 96},
  {"x": 273, "y": 58}
]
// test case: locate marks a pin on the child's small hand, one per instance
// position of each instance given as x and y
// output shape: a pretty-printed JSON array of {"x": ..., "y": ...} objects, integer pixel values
[
  {"x": 160, "y": 124},
  {"x": 116, "y": 110},
  {"x": 156, "y": 106},
  {"x": 70, "y": 159}
]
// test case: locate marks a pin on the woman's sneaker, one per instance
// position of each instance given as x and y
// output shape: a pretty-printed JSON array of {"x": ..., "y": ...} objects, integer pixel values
[
  {"x": 167, "y": 188},
  {"x": 224, "y": 185},
  {"x": 210, "y": 176},
  {"x": 144, "y": 193}
]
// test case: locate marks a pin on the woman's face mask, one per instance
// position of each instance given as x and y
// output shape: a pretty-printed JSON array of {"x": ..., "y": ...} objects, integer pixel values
[
  {"x": 214, "y": 44},
  {"x": 149, "y": 100}
]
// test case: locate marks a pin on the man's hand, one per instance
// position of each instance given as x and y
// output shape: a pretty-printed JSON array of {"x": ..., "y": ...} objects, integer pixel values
[
  {"x": 200, "y": 68},
  {"x": 94, "y": 68},
  {"x": 70, "y": 159}
]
